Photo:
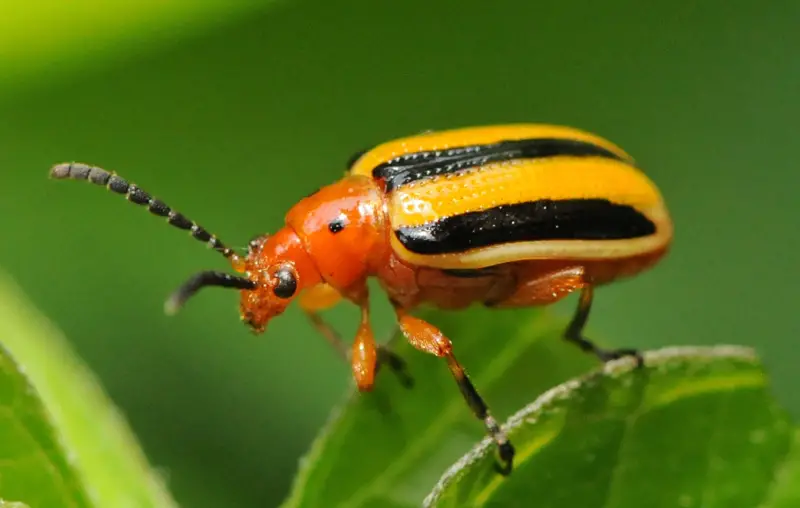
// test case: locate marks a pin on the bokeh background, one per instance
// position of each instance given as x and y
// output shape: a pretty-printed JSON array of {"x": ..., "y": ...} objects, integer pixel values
[{"x": 231, "y": 111}]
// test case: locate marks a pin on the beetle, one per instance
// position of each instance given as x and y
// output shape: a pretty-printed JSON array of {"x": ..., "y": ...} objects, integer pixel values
[{"x": 511, "y": 215}]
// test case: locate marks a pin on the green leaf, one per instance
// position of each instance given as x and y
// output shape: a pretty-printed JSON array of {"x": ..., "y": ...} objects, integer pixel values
[
  {"x": 61, "y": 442},
  {"x": 387, "y": 448},
  {"x": 12, "y": 504},
  {"x": 696, "y": 427},
  {"x": 34, "y": 466}
]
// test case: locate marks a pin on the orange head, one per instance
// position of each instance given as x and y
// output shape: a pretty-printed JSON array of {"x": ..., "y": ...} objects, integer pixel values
[
  {"x": 332, "y": 236},
  {"x": 279, "y": 267}
]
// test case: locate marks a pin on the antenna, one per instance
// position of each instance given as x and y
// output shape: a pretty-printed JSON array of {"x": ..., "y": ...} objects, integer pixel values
[{"x": 134, "y": 194}]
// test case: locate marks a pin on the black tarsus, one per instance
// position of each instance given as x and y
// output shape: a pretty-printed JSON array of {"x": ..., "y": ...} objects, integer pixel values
[
  {"x": 574, "y": 332},
  {"x": 134, "y": 194},
  {"x": 396, "y": 364},
  {"x": 479, "y": 408}
]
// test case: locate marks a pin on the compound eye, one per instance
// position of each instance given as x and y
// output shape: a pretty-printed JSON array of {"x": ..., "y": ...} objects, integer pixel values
[{"x": 287, "y": 283}]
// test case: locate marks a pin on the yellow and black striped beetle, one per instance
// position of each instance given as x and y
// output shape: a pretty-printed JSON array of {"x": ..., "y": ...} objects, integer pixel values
[{"x": 505, "y": 216}]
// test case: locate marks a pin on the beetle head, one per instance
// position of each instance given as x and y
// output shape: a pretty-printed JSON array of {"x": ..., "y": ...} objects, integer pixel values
[
  {"x": 279, "y": 267},
  {"x": 275, "y": 270}
]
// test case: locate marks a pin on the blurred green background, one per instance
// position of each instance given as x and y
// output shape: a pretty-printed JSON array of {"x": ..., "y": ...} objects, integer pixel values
[{"x": 231, "y": 111}]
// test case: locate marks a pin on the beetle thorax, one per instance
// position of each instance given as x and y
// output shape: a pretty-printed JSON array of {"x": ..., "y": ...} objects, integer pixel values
[{"x": 343, "y": 229}]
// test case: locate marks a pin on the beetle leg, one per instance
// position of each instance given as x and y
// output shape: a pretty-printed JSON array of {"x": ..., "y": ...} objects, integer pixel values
[
  {"x": 364, "y": 356},
  {"x": 426, "y": 337},
  {"x": 544, "y": 289},
  {"x": 327, "y": 331},
  {"x": 396, "y": 364},
  {"x": 575, "y": 335},
  {"x": 323, "y": 296}
]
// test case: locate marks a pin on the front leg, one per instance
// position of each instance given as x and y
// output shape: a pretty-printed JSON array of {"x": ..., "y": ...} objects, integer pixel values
[
  {"x": 364, "y": 357},
  {"x": 322, "y": 297},
  {"x": 426, "y": 337}
]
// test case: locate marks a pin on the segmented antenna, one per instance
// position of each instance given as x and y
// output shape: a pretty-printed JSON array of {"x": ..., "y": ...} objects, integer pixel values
[
  {"x": 134, "y": 194},
  {"x": 201, "y": 280}
]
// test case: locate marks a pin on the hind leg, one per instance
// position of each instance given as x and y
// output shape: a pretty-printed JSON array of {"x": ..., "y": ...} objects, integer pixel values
[{"x": 551, "y": 287}]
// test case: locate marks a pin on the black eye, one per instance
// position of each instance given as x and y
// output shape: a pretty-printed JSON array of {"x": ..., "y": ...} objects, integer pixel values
[{"x": 287, "y": 283}]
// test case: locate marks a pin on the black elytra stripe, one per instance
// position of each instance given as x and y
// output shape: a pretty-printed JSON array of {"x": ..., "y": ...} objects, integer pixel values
[
  {"x": 569, "y": 219},
  {"x": 415, "y": 166}
]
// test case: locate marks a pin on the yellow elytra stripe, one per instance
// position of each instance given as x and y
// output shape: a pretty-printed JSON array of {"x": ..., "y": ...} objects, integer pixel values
[{"x": 520, "y": 181}]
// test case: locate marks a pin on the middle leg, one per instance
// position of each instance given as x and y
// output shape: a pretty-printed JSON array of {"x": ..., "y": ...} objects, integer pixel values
[{"x": 426, "y": 337}]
